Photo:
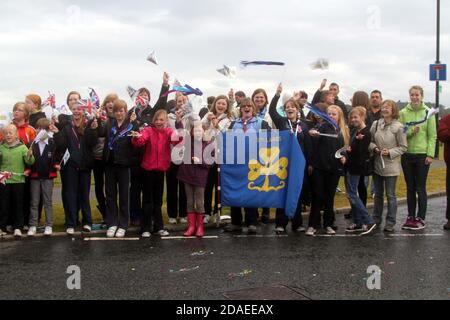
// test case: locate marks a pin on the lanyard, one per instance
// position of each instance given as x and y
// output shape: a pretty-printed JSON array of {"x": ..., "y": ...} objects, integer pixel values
[
  {"x": 296, "y": 129},
  {"x": 76, "y": 135}
]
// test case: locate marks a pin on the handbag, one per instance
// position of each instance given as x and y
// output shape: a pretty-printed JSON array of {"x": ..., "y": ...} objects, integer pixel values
[{"x": 369, "y": 168}]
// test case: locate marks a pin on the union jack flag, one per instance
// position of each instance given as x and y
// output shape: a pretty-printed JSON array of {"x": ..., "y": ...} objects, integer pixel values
[
  {"x": 94, "y": 97},
  {"x": 51, "y": 100}
]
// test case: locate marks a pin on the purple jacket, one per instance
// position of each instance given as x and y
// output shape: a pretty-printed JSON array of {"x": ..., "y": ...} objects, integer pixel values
[{"x": 194, "y": 174}]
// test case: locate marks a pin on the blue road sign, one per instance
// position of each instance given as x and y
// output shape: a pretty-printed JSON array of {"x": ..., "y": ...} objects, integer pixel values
[{"x": 438, "y": 72}]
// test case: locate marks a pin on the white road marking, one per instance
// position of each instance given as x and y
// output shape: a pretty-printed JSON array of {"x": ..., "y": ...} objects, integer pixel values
[
  {"x": 181, "y": 237},
  {"x": 111, "y": 239},
  {"x": 261, "y": 236}
]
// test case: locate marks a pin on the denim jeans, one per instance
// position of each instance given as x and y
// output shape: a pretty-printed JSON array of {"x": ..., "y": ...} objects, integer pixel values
[
  {"x": 416, "y": 172},
  {"x": 360, "y": 213},
  {"x": 380, "y": 184}
]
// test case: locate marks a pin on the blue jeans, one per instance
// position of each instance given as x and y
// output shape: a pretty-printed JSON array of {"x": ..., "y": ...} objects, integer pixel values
[
  {"x": 360, "y": 213},
  {"x": 380, "y": 183},
  {"x": 416, "y": 173}
]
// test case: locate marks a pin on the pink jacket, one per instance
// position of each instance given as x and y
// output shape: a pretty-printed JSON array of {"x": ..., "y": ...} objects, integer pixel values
[{"x": 157, "y": 143}]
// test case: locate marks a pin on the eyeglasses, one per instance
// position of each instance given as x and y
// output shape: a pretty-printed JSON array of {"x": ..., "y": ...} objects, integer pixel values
[{"x": 246, "y": 105}]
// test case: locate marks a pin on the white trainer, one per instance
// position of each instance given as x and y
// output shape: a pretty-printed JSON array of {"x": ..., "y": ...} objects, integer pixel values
[
  {"x": 32, "y": 231},
  {"x": 146, "y": 235},
  {"x": 87, "y": 228},
  {"x": 111, "y": 232},
  {"x": 279, "y": 229},
  {"x": 120, "y": 233},
  {"x": 70, "y": 231},
  {"x": 2, "y": 233},
  {"x": 17, "y": 233},
  {"x": 183, "y": 220},
  {"x": 206, "y": 219},
  {"x": 330, "y": 231},
  {"x": 172, "y": 221},
  {"x": 48, "y": 231},
  {"x": 163, "y": 233},
  {"x": 311, "y": 231}
]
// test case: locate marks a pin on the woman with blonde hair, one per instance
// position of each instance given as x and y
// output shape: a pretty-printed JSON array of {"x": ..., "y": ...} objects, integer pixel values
[
  {"x": 326, "y": 169},
  {"x": 356, "y": 161}
]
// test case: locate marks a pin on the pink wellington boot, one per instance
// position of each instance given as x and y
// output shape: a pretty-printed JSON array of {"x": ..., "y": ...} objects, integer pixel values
[
  {"x": 191, "y": 216},
  {"x": 200, "y": 233}
]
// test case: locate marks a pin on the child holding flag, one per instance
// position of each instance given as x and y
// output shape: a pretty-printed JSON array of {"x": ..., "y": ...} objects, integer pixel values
[
  {"x": 43, "y": 173},
  {"x": 156, "y": 141},
  {"x": 194, "y": 174}
]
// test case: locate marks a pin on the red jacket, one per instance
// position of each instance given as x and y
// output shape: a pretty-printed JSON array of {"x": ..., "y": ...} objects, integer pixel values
[
  {"x": 157, "y": 143},
  {"x": 444, "y": 136},
  {"x": 26, "y": 134}
]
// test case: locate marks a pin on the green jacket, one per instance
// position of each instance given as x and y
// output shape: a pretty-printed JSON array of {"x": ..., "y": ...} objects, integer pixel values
[
  {"x": 425, "y": 141},
  {"x": 13, "y": 159}
]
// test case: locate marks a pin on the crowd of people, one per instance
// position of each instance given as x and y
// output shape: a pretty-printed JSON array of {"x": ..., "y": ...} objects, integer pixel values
[{"x": 130, "y": 153}]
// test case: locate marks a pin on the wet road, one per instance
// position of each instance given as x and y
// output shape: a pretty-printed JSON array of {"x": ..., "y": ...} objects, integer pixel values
[{"x": 414, "y": 265}]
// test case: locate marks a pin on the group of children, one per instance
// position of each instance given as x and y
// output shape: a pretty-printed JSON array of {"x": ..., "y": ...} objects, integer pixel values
[{"x": 133, "y": 151}]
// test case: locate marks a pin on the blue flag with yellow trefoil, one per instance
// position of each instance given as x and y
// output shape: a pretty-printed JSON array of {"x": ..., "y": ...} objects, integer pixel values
[{"x": 261, "y": 170}]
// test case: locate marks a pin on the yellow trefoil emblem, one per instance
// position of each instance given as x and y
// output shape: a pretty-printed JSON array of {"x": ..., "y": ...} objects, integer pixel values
[{"x": 270, "y": 166}]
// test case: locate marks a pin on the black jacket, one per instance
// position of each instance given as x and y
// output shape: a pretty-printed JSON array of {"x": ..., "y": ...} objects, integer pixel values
[
  {"x": 81, "y": 147},
  {"x": 118, "y": 149},
  {"x": 357, "y": 159},
  {"x": 146, "y": 116},
  {"x": 323, "y": 156},
  {"x": 44, "y": 166},
  {"x": 283, "y": 123}
]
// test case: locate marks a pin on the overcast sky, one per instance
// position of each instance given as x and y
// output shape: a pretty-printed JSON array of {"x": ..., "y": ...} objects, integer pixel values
[{"x": 63, "y": 45}]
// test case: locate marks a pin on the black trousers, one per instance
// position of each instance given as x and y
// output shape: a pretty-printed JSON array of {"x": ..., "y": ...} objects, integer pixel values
[
  {"x": 117, "y": 182},
  {"x": 306, "y": 196},
  {"x": 99, "y": 179},
  {"x": 26, "y": 201},
  {"x": 251, "y": 216},
  {"x": 77, "y": 189},
  {"x": 281, "y": 220},
  {"x": 152, "y": 201},
  {"x": 176, "y": 194},
  {"x": 324, "y": 186},
  {"x": 416, "y": 172},
  {"x": 136, "y": 188},
  {"x": 11, "y": 205},
  {"x": 211, "y": 185},
  {"x": 362, "y": 190}
]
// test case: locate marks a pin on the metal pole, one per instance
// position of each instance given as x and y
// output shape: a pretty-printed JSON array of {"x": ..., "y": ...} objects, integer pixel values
[{"x": 438, "y": 36}]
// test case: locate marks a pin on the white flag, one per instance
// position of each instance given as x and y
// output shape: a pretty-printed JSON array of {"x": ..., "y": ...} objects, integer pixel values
[{"x": 66, "y": 157}]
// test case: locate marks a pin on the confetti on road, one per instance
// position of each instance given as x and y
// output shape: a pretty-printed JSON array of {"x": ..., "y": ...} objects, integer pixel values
[
  {"x": 184, "y": 269},
  {"x": 242, "y": 274},
  {"x": 202, "y": 253}
]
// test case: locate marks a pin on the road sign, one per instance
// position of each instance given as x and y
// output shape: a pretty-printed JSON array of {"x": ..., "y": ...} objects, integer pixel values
[{"x": 438, "y": 72}]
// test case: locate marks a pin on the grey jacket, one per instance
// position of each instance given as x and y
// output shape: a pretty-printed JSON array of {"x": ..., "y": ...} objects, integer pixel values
[{"x": 388, "y": 136}]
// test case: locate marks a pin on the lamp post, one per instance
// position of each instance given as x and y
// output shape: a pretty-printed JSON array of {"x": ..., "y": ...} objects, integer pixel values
[{"x": 438, "y": 39}]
